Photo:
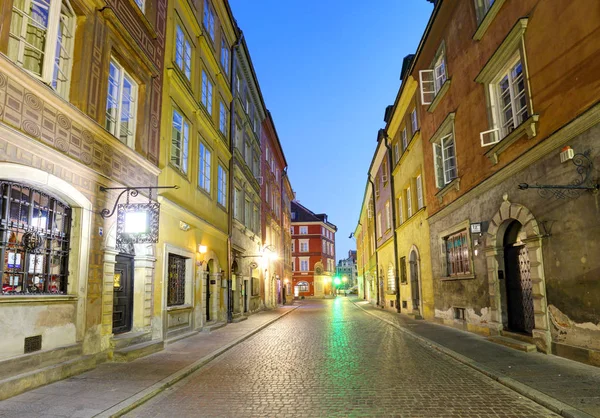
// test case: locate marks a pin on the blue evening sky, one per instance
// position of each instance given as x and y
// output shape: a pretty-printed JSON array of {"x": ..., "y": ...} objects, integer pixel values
[{"x": 327, "y": 70}]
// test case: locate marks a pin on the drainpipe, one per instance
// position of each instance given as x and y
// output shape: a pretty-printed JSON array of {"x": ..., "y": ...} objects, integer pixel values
[
  {"x": 231, "y": 190},
  {"x": 375, "y": 231},
  {"x": 393, "y": 204}
]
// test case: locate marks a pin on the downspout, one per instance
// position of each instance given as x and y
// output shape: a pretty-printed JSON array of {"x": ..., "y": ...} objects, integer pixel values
[
  {"x": 231, "y": 190},
  {"x": 375, "y": 231},
  {"x": 393, "y": 205}
]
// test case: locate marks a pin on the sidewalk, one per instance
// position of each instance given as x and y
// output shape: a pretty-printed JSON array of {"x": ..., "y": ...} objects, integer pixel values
[
  {"x": 112, "y": 389},
  {"x": 566, "y": 387}
]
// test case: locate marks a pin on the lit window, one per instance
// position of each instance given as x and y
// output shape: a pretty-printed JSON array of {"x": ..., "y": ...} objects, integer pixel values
[
  {"x": 41, "y": 38},
  {"x": 121, "y": 104},
  {"x": 207, "y": 92},
  {"x": 222, "y": 186},
  {"x": 179, "y": 141},
  {"x": 204, "y": 168},
  {"x": 457, "y": 254},
  {"x": 183, "y": 53},
  {"x": 35, "y": 227},
  {"x": 209, "y": 20}
]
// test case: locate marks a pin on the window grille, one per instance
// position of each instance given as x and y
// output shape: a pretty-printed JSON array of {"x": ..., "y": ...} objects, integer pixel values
[
  {"x": 457, "y": 254},
  {"x": 35, "y": 231},
  {"x": 176, "y": 289}
]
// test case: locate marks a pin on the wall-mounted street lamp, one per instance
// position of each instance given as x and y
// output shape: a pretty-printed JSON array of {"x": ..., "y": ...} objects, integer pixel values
[{"x": 202, "y": 249}]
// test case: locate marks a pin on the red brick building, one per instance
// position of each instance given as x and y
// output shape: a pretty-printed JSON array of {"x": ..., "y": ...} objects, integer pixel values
[{"x": 313, "y": 252}]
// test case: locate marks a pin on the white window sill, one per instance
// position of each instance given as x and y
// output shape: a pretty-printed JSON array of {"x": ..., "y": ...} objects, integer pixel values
[
  {"x": 439, "y": 96},
  {"x": 41, "y": 299},
  {"x": 453, "y": 278},
  {"x": 528, "y": 127},
  {"x": 185, "y": 307},
  {"x": 453, "y": 185},
  {"x": 487, "y": 19}
]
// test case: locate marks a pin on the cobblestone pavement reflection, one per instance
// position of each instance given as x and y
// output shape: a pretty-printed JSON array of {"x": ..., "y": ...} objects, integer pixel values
[{"x": 330, "y": 359}]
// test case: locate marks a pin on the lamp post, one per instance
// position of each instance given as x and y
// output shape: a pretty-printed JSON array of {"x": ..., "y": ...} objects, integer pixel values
[{"x": 267, "y": 254}]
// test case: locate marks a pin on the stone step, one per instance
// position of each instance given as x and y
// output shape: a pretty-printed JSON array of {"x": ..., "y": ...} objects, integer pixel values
[
  {"x": 127, "y": 354},
  {"x": 20, "y": 383},
  {"x": 512, "y": 343},
  {"x": 239, "y": 319},
  {"x": 211, "y": 326},
  {"x": 131, "y": 338}
]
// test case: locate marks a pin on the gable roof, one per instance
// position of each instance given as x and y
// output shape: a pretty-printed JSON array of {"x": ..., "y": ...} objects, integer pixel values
[{"x": 304, "y": 214}]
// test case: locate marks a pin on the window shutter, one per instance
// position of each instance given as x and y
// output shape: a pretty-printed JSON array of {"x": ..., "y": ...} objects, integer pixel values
[
  {"x": 427, "y": 84},
  {"x": 490, "y": 137}
]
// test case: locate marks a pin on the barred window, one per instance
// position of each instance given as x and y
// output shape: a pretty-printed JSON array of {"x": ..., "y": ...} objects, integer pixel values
[
  {"x": 457, "y": 254},
  {"x": 176, "y": 290},
  {"x": 35, "y": 232}
]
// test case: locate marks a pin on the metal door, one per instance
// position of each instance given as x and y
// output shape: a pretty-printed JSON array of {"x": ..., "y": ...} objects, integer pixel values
[{"x": 123, "y": 294}]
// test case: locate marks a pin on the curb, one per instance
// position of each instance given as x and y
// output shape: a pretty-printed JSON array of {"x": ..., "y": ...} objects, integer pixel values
[
  {"x": 554, "y": 405},
  {"x": 145, "y": 395}
]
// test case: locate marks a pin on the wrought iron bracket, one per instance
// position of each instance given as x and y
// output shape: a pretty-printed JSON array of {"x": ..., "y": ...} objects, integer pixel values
[
  {"x": 130, "y": 192},
  {"x": 584, "y": 167}
]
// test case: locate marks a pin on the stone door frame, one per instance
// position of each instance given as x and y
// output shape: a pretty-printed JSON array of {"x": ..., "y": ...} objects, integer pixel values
[{"x": 494, "y": 253}]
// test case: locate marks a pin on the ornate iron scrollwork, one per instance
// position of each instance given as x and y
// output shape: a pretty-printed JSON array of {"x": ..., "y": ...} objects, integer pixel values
[{"x": 584, "y": 167}]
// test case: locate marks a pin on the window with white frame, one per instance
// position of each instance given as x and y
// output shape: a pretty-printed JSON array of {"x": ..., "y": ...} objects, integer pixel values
[
  {"x": 414, "y": 124},
  {"x": 302, "y": 287},
  {"x": 183, "y": 52},
  {"x": 404, "y": 140},
  {"x": 396, "y": 152},
  {"x": 237, "y": 203},
  {"x": 41, "y": 39},
  {"x": 379, "y": 224},
  {"x": 377, "y": 187},
  {"x": 209, "y": 20},
  {"x": 222, "y": 186},
  {"x": 388, "y": 216},
  {"x": 207, "y": 92},
  {"x": 303, "y": 264},
  {"x": 482, "y": 7},
  {"x": 224, "y": 54},
  {"x": 204, "y": 167},
  {"x": 179, "y": 141},
  {"x": 432, "y": 79},
  {"x": 303, "y": 245},
  {"x": 223, "y": 117},
  {"x": 419, "y": 182},
  {"x": 444, "y": 154},
  {"x": 121, "y": 104},
  {"x": 141, "y": 4},
  {"x": 303, "y": 230},
  {"x": 400, "y": 211},
  {"x": 391, "y": 279},
  {"x": 456, "y": 247},
  {"x": 408, "y": 203},
  {"x": 248, "y": 213},
  {"x": 384, "y": 171}
]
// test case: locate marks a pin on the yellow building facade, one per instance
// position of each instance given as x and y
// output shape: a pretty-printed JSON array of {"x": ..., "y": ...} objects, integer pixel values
[
  {"x": 192, "y": 253},
  {"x": 411, "y": 229}
]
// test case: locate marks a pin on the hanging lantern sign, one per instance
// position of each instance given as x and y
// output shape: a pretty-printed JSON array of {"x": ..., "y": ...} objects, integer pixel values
[{"x": 137, "y": 223}]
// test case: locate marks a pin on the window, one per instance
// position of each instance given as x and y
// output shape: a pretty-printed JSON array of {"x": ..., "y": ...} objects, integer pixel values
[
  {"x": 303, "y": 230},
  {"x": 419, "y": 192},
  {"x": 377, "y": 187},
  {"x": 384, "y": 171},
  {"x": 248, "y": 214},
  {"x": 413, "y": 121},
  {"x": 141, "y": 4},
  {"x": 209, "y": 20},
  {"x": 388, "y": 216},
  {"x": 179, "y": 142},
  {"x": 403, "y": 277},
  {"x": 457, "y": 254},
  {"x": 222, "y": 186},
  {"x": 404, "y": 140},
  {"x": 237, "y": 203},
  {"x": 400, "y": 211},
  {"x": 225, "y": 54},
  {"x": 35, "y": 227},
  {"x": 223, "y": 116},
  {"x": 183, "y": 53},
  {"x": 293, "y": 245},
  {"x": 176, "y": 280},
  {"x": 292, "y": 229},
  {"x": 204, "y": 168},
  {"x": 408, "y": 203},
  {"x": 256, "y": 218},
  {"x": 432, "y": 80},
  {"x": 303, "y": 265},
  {"x": 391, "y": 279},
  {"x": 303, "y": 246},
  {"x": 302, "y": 287},
  {"x": 207, "y": 91},
  {"x": 379, "y": 224},
  {"x": 323, "y": 230},
  {"x": 121, "y": 104},
  {"x": 482, "y": 7},
  {"x": 444, "y": 160},
  {"x": 293, "y": 217},
  {"x": 396, "y": 153},
  {"x": 41, "y": 38}
]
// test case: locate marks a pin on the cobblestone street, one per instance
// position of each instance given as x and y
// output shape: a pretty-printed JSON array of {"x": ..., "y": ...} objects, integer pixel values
[{"x": 328, "y": 358}]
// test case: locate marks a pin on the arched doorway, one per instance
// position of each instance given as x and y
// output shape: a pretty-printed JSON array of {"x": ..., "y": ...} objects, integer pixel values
[
  {"x": 518, "y": 287},
  {"x": 234, "y": 291},
  {"x": 415, "y": 288},
  {"x": 207, "y": 289}
]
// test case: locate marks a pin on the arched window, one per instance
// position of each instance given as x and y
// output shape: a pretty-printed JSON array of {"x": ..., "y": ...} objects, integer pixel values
[
  {"x": 303, "y": 287},
  {"x": 34, "y": 240}
]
